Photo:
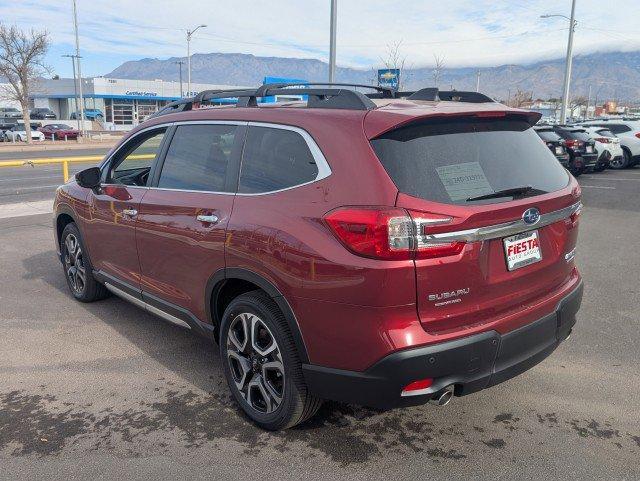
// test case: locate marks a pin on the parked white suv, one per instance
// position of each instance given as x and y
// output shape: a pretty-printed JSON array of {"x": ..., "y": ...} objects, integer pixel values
[
  {"x": 628, "y": 131},
  {"x": 608, "y": 146}
]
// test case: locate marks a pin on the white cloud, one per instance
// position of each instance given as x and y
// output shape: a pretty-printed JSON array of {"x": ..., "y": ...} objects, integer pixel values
[{"x": 466, "y": 32}]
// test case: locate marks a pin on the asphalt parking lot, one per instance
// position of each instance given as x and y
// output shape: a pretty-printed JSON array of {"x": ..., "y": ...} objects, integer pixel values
[{"x": 106, "y": 390}]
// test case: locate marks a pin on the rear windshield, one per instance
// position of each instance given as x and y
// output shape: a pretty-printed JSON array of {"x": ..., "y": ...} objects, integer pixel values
[
  {"x": 606, "y": 133},
  {"x": 580, "y": 135},
  {"x": 548, "y": 135},
  {"x": 453, "y": 161}
]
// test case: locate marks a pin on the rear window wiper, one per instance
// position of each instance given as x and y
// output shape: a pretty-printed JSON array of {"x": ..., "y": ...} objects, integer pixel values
[{"x": 513, "y": 192}]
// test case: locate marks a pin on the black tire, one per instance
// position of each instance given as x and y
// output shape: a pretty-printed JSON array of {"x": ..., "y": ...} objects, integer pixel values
[
  {"x": 77, "y": 268},
  {"x": 621, "y": 163},
  {"x": 296, "y": 403}
]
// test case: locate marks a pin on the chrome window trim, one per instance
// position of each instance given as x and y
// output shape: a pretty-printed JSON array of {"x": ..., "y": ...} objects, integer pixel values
[
  {"x": 324, "y": 169},
  {"x": 497, "y": 231}
]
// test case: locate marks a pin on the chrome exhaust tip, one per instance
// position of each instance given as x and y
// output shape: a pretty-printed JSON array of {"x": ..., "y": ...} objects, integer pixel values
[{"x": 442, "y": 397}]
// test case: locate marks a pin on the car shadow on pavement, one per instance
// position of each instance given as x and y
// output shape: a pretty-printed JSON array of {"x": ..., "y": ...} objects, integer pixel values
[
  {"x": 192, "y": 399},
  {"x": 190, "y": 356}
]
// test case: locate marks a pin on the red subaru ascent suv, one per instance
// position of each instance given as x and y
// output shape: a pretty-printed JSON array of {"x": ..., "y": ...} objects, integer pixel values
[{"x": 386, "y": 249}]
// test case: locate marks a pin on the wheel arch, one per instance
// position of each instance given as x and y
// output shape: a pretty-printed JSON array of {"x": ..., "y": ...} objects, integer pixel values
[
  {"x": 64, "y": 216},
  {"x": 229, "y": 282}
]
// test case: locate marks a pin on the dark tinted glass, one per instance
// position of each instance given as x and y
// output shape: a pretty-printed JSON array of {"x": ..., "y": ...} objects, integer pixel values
[
  {"x": 132, "y": 164},
  {"x": 618, "y": 128},
  {"x": 548, "y": 135},
  {"x": 606, "y": 133},
  {"x": 198, "y": 158},
  {"x": 580, "y": 135},
  {"x": 275, "y": 159},
  {"x": 451, "y": 161}
]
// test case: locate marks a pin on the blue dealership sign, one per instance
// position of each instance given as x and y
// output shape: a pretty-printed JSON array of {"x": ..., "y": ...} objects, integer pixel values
[
  {"x": 283, "y": 80},
  {"x": 389, "y": 77}
]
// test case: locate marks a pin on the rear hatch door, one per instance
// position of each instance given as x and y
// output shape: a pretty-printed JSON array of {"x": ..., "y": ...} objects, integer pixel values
[{"x": 482, "y": 255}]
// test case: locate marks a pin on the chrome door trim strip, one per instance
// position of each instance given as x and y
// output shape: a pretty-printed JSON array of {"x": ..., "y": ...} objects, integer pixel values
[
  {"x": 500, "y": 230},
  {"x": 147, "y": 307}
]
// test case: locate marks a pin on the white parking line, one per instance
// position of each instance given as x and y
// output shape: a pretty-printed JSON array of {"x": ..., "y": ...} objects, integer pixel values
[
  {"x": 21, "y": 209},
  {"x": 18, "y": 190},
  {"x": 598, "y": 187},
  {"x": 30, "y": 178},
  {"x": 591, "y": 177}
]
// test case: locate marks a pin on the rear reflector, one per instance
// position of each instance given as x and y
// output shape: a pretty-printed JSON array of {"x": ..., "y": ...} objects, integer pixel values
[
  {"x": 418, "y": 385},
  {"x": 390, "y": 233}
]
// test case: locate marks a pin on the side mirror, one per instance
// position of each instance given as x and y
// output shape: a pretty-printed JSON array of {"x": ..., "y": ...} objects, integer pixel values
[{"x": 89, "y": 178}]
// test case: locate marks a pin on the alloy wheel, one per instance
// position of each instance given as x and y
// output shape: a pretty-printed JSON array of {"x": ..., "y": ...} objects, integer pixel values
[
  {"x": 255, "y": 362},
  {"x": 74, "y": 264}
]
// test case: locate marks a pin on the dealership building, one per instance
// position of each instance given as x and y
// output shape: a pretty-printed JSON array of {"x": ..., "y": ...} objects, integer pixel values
[{"x": 123, "y": 103}]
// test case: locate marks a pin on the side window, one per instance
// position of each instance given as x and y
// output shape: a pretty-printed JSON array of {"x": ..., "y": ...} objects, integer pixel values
[
  {"x": 132, "y": 164},
  {"x": 275, "y": 159},
  {"x": 198, "y": 158},
  {"x": 618, "y": 128}
]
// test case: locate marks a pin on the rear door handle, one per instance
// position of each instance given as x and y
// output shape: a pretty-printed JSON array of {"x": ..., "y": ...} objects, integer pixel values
[
  {"x": 130, "y": 212},
  {"x": 208, "y": 219}
]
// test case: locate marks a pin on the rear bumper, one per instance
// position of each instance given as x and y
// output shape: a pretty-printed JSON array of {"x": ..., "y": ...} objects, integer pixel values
[
  {"x": 589, "y": 160},
  {"x": 471, "y": 363}
]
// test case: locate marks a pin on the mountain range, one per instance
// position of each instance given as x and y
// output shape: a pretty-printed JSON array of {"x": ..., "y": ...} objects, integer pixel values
[{"x": 611, "y": 75}]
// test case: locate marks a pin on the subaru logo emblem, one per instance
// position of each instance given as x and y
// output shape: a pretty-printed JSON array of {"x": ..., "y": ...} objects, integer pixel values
[{"x": 531, "y": 216}]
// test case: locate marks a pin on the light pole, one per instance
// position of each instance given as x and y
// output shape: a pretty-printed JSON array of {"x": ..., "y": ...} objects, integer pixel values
[
  {"x": 75, "y": 26},
  {"x": 332, "y": 41},
  {"x": 567, "y": 71},
  {"x": 75, "y": 85},
  {"x": 189, "y": 35},
  {"x": 180, "y": 63}
]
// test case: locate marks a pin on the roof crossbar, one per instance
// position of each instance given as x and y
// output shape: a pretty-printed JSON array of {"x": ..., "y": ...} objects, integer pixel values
[{"x": 322, "y": 95}]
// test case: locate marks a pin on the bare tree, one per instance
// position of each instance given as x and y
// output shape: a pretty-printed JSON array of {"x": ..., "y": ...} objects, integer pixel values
[
  {"x": 437, "y": 69},
  {"x": 395, "y": 59},
  {"x": 21, "y": 63},
  {"x": 520, "y": 98},
  {"x": 575, "y": 102}
]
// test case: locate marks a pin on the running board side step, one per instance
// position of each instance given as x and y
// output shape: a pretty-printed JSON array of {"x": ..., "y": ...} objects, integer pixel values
[{"x": 147, "y": 307}]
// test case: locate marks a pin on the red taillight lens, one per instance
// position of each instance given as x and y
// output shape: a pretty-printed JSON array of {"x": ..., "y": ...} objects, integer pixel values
[
  {"x": 373, "y": 232},
  {"x": 390, "y": 233},
  {"x": 426, "y": 248},
  {"x": 638, "y": 134},
  {"x": 418, "y": 385},
  {"x": 602, "y": 140},
  {"x": 572, "y": 220},
  {"x": 571, "y": 143}
]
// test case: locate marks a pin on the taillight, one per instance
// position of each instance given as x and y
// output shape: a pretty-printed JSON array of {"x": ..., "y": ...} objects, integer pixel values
[
  {"x": 381, "y": 233},
  {"x": 571, "y": 143},
  {"x": 426, "y": 249},
  {"x": 390, "y": 233},
  {"x": 603, "y": 140},
  {"x": 638, "y": 134},
  {"x": 572, "y": 220}
]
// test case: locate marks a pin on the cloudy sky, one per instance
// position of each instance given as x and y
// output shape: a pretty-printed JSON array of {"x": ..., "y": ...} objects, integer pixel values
[{"x": 465, "y": 32}]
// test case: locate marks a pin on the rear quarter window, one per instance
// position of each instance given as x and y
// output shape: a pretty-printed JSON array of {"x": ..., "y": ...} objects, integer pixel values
[
  {"x": 450, "y": 161},
  {"x": 275, "y": 159}
]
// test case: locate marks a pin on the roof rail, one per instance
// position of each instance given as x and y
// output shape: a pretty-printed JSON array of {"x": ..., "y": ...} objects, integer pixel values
[{"x": 321, "y": 95}]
